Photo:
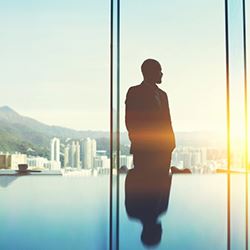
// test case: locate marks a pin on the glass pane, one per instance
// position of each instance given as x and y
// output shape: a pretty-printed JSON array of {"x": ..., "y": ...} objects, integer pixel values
[
  {"x": 237, "y": 195},
  {"x": 54, "y": 116},
  {"x": 190, "y": 47},
  {"x": 157, "y": 208}
]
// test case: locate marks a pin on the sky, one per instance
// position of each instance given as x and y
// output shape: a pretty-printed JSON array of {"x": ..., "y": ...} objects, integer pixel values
[{"x": 55, "y": 59}]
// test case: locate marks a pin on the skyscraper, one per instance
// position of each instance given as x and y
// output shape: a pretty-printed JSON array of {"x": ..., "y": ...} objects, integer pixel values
[
  {"x": 66, "y": 156},
  {"x": 88, "y": 152},
  {"x": 72, "y": 155},
  {"x": 77, "y": 155},
  {"x": 86, "y": 143},
  {"x": 72, "y": 152},
  {"x": 55, "y": 149},
  {"x": 93, "y": 149},
  {"x": 55, "y": 154}
]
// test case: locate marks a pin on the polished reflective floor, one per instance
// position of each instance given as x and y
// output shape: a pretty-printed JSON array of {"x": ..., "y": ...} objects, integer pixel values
[
  {"x": 193, "y": 217},
  {"x": 178, "y": 212},
  {"x": 54, "y": 212}
]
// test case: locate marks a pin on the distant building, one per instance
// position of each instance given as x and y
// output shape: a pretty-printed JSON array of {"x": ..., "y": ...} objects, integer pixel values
[
  {"x": 103, "y": 171},
  {"x": 126, "y": 160},
  {"x": 93, "y": 148},
  {"x": 77, "y": 156},
  {"x": 72, "y": 155},
  {"x": 72, "y": 152},
  {"x": 11, "y": 161},
  {"x": 195, "y": 157},
  {"x": 5, "y": 161},
  {"x": 18, "y": 158},
  {"x": 88, "y": 152},
  {"x": 203, "y": 156},
  {"x": 66, "y": 156},
  {"x": 101, "y": 162},
  {"x": 37, "y": 162},
  {"x": 55, "y": 149},
  {"x": 55, "y": 163},
  {"x": 101, "y": 152}
]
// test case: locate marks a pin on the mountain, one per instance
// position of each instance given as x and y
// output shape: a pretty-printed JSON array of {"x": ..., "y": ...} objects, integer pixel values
[{"x": 22, "y": 134}]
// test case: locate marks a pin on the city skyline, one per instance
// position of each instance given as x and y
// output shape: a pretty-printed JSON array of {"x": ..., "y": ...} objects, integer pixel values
[
  {"x": 58, "y": 71},
  {"x": 198, "y": 159}
]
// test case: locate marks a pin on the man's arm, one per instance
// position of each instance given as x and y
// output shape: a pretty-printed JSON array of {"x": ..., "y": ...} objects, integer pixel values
[
  {"x": 131, "y": 115},
  {"x": 170, "y": 131}
]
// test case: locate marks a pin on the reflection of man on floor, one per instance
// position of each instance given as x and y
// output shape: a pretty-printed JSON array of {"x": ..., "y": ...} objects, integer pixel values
[
  {"x": 146, "y": 199},
  {"x": 148, "y": 120}
]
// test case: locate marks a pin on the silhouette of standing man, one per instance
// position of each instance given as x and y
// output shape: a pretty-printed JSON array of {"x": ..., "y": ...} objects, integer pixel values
[{"x": 148, "y": 120}]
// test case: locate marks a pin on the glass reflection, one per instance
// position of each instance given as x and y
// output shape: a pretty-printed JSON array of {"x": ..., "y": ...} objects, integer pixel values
[{"x": 146, "y": 199}]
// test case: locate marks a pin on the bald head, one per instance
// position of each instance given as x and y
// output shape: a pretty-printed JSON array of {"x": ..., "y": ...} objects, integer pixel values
[{"x": 151, "y": 70}]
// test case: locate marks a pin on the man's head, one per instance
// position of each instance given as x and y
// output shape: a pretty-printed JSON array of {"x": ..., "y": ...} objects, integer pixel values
[
  {"x": 151, "y": 234},
  {"x": 151, "y": 70}
]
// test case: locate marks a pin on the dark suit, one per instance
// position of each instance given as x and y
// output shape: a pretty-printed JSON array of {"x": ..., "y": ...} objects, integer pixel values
[{"x": 148, "y": 122}]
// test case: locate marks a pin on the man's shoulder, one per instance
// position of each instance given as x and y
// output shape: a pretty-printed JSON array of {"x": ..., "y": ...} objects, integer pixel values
[
  {"x": 134, "y": 90},
  {"x": 162, "y": 92}
]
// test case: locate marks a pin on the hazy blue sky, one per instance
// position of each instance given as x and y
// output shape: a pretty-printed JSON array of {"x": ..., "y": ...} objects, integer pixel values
[
  {"x": 55, "y": 59},
  {"x": 188, "y": 39}
]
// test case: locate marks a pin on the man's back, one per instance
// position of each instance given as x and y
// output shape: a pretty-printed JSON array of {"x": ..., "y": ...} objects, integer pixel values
[{"x": 148, "y": 119}]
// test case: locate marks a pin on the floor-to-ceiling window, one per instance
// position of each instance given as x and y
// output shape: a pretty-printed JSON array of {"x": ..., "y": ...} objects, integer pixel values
[
  {"x": 188, "y": 39},
  {"x": 57, "y": 68},
  {"x": 189, "y": 44},
  {"x": 54, "y": 117}
]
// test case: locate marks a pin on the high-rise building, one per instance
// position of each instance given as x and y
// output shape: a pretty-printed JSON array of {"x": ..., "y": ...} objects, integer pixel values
[
  {"x": 93, "y": 149},
  {"x": 72, "y": 152},
  {"x": 77, "y": 155},
  {"x": 55, "y": 149},
  {"x": 55, "y": 154},
  {"x": 66, "y": 156},
  {"x": 88, "y": 152},
  {"x": 72, "y": 155}
]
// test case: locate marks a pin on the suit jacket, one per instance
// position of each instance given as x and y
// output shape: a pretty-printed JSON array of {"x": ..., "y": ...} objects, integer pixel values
[{"x": 148, "y": 119}]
